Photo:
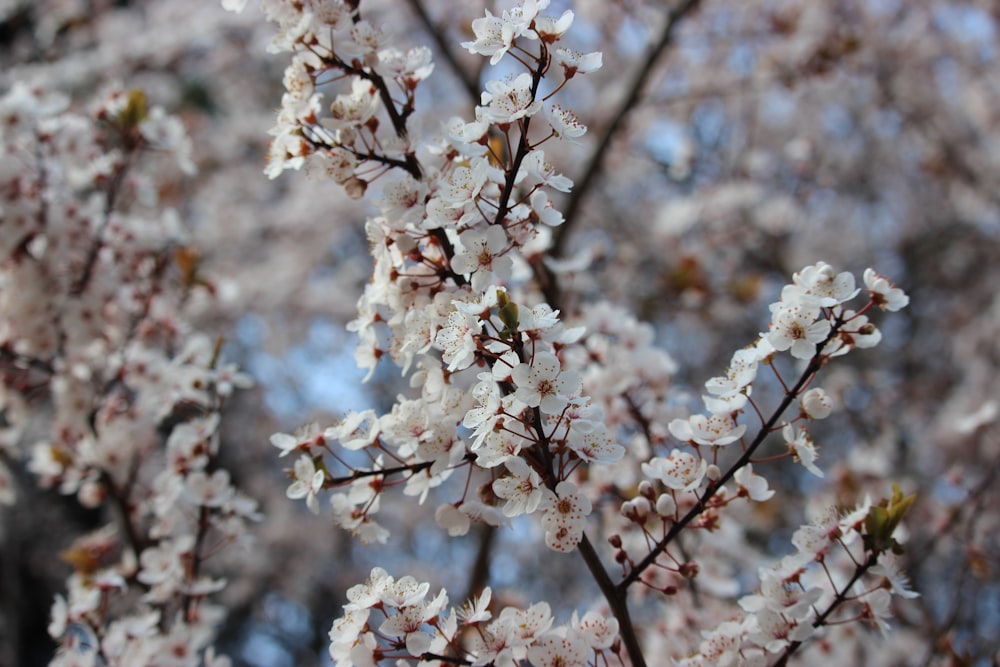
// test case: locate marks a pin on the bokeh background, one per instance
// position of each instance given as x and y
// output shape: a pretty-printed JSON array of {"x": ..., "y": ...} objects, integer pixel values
[{"x": 762, "y": 136}]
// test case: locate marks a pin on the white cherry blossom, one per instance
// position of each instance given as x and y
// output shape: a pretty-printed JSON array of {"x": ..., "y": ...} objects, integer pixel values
[
  {"x": 556, "y": 651},
  {"x": 886, "y": 295},
  {"x": 714, "y": 430},
  {"x": 308, "y": 482},
  {"x": 802, "y": 446},
  {"x": 543, "y": 383},
  {"x": 816, "y": 403},
  {"x": 494, "y": 36},
  {"x": 797, "y": 328},
  {"x": 565, "y": 124},
  {"x": 574, "y": 62},
  {"x": 482, "y": 256},
  {"x": 754, "y": 485},
  {"x": 741, "y": 372},
  {"x": 522, "y": 488},
  {"x": 564, "y": 517},
  {"x": 457, "y": 339},
  {"x": 509, "y": 100},
  {"x": 819, "y": 285},
  {"x": 681, "y": 471},
  {"x": 598, "y": 631},
  {"x": 551, "y": 29}
]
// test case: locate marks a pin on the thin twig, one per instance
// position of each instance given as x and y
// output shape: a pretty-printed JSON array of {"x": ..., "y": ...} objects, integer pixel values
[
  {"x": 583, "y": 183},
  {"x": 134, "y": 143},
  {"x": 836, "y": 602}
]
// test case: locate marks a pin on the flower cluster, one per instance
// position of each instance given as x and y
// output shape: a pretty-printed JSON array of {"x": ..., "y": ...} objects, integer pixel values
[
  {"x": 692, "y": 482},
  {"x": 811, "y": 324},
  {"x": 391, "y": 619},
  {"x": 94, "y": 278},
  {"x": 799, "y": 593},
  {"x": 538, "y": 411},
  {"x": 532, "y": 402},
  {"x": 451, "y": 247}
]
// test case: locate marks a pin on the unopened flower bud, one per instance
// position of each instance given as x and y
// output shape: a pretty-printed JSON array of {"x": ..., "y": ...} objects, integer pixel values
[
  {"x": 346, "y": 136},
  {"x": 665, "y": 505},
  {"x": 646, "y": 489},
  {"x": 636, "y": 509},
  {"x": 689, "y": 570},
  {"x": 92, "y": 494},
  {"x": 626, "y": 509},
  {"x": 816, "y": 404},
  {"x": 642, "y": 507},
  {"x": 713, "y": 472},
  {"x": 355, "y": 187}
]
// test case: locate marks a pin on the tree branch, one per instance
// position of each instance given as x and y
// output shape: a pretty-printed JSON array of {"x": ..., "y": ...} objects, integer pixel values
[
  {"x": 814, "y": 365},
  {"x": 584, "y": 183},
  {"x": 617, "y": 598},
  {"x": 480, "y": 575},
  {"x": 836, "y": 602}
]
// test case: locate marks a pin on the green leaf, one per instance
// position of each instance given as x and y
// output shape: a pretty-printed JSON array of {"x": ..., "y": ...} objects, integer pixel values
[
  {"x": 508, "y": 314},
  {"x": 884, "y": 518},
  {"x": 136, "y": 109}
]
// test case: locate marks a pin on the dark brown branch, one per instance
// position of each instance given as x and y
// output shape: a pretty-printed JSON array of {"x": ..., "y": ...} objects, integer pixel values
[
  {"x": 385, "y": 472},
  {"x": 9, "y": 356},
  {"x": 617, "y": 598},
  {"x": 547, "y": 281},
  {"x": 480, "y": 574},
  {"x": 122, "y": 505},
  {"x": 523, "y": 147},
  {"x": 408, "y": 163},
  {"x": 398, "y": 119},
  {"x": 444, "y": 658},
  {"x": 640, "y": 419},
  {"x": 134, "y": 144},
  {"x": 449, "y": 251}
]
